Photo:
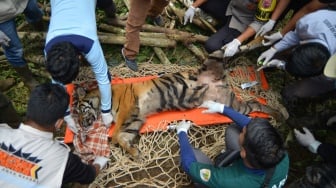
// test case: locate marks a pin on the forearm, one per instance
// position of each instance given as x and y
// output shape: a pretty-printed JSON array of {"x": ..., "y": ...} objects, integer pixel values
[
  {"x": 240, "y": 119},
  {"x": 327, "y": 152},
  {"x": 106, "y": 97},
  {"x": 249, "y": 32},
  {"x": 310, "y": 7},
  {"x": 187, "y": 152},
  {"x": 198, "y": 3},
  {"x": 280, "y": 7}
]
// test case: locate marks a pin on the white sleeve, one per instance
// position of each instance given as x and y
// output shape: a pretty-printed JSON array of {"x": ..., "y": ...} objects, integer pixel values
[
  {"x": 289, "y": 40},
  {"x": 98, "y": 63}
]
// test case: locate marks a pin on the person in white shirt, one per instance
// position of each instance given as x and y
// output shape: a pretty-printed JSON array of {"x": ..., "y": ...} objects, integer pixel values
[{"x": 30, "y": 157}]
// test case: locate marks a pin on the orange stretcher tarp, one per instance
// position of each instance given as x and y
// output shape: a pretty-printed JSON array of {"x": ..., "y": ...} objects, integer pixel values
[{"x": 160, "y": 121}]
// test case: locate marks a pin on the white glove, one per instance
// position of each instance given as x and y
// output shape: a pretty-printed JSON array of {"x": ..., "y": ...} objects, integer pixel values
[
  {"x": 266, "y": 56},
  {"x": 4, "y": 40},
  {"x": 307, "y": 140},
  {"x": 107, "y": 119},
  {"x": 231, "y": 48},
  {"x": 212, "y": 107},
  {"x": 189, "y": 15},
  {"x": 183, "y": 126},
  {"x": 71, "y": 123},
  {"x": 101, "y": 161},
  {"x": 272, "y": 38},
  {"x": 265, "y": 28},
  {"x": 331, "y": 120},
  {"x": 275, "y": 63}
]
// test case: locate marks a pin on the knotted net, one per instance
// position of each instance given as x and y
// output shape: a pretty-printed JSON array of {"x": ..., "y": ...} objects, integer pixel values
[{"x": 159, "y": 165}]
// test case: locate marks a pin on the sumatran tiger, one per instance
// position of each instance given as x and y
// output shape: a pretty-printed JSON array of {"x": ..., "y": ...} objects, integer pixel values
[
  {"x": 175, "y": 91},
  {"x": 133, "y": 102}
]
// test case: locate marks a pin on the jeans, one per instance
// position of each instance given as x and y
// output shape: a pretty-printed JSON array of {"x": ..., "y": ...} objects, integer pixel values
[
  {"x": 138, "y": 12},
  {"x": 223, "y": 36},
  {"x": 14, "y": 51}
]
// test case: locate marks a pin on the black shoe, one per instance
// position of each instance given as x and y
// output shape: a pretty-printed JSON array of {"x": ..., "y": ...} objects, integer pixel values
[
  {"x": 132, "y": 64},
  {"x": 158, "y": 21}
]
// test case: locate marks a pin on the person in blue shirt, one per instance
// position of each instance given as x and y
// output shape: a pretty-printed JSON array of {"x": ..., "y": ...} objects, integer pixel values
[
  {"x": 263, "y": 159},
  {"x": 72, "y": 35}
]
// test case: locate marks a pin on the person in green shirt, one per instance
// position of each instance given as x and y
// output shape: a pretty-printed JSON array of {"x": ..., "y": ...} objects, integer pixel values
[{"x": 263, "y": 160}]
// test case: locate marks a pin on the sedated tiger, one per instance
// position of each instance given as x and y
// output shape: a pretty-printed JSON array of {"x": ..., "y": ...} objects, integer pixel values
[{"x": 133, "y": 102}]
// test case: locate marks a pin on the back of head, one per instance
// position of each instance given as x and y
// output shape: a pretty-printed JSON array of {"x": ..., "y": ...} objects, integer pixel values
[
  {"x": 63, "y": 62},
  {"x": 48, "y": 102},
  {"x": 308, "y": 60},
  {"x": 317, "y": 176},
  {"x": 263, "y": 144}
]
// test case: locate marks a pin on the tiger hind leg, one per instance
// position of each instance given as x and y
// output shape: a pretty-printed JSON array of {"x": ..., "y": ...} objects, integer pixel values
[{"x": 125, "y": 140}]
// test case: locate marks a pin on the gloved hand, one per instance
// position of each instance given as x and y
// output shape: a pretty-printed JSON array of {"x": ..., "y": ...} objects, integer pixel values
[
  {"x": 274, "y": 63},
  {"x": 231, "y": 48},
  {"x": 331, "y": 120},
  {"x": 212, "y": 107},
  {"x": 271, "y": 38},
  {"x": 265, "y": 28},
  {"x": 189, "y": 15},
  {"x": 4, "y": 40},
  {"x": 307, "y": 139},
  {"x": 107, "y": 119},
  {"x": 267, "y": 55},
  {"x": 101, "y": 161},
  {"x": 71, "y": 123},
  {"x": 183, "y": 126}
]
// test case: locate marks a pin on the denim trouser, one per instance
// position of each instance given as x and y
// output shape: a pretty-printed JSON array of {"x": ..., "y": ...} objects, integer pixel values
[
  {"x": 138, "y": 12},
  {"x": 14, "y": 52}
]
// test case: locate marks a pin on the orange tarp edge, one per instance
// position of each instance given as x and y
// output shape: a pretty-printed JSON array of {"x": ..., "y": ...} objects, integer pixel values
[{"x": 159, "y": 122}]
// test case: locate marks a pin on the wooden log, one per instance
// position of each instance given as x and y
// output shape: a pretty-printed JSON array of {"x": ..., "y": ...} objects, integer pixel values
[
  {"x": 195, "y": 50},
  {"x": 161, "y": 55},
  {"x": 146, "y": 41},
  {"x": 171, "y": 33},
  {"x": 113, "y": 39},
  {"x": 197, "y": 21}
]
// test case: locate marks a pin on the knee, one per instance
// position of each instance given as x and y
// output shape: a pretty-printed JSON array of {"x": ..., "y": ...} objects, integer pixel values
[{"x": 210, "y": 46}]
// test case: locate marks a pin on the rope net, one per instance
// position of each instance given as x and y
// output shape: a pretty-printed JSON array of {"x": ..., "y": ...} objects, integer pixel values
[{"x": 159, "y": 165}]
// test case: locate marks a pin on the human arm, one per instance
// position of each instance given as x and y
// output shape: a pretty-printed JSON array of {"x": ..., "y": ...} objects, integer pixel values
[
  {"x": 215, "y": 107},
  {"x": 77, "y": 171},
  {"x": 187, "y": 153},
  {"x": 307, "y": 139},
  {"x": 327, "y": 152},
  {"x": 232, "y": 47},
  {"x": 312, "y": 6},
  {"x": 190, "y": 13},
  {"x": 274, "y": 63},
  {"x": 98, "y": 63},
  {"x": 268, "y": 26}
]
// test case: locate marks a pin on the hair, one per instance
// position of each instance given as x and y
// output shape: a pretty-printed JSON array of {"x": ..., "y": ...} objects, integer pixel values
[
  {"x": 307, "y": 60},
  {"x": 317, "y": 176},
  {"x": 263, "y": 144},
  {"x": 63, "y": 62},
  {"x": 48, "y": 102}
]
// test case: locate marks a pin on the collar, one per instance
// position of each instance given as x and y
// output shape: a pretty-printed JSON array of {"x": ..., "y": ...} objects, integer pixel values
[
  {"x": 258, "y": 172},
  {"x": 34, "y": 131}
]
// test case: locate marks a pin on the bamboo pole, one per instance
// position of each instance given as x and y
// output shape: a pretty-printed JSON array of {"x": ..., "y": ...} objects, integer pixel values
[
  {"x": 113, "y": 39},
  {"x": 161, "y": 55}
]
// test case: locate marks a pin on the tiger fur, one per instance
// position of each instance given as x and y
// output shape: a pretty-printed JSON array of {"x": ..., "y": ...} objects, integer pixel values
[
  {"x": 174, "y": 91},
  {"x": 133, "y": 102}
]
